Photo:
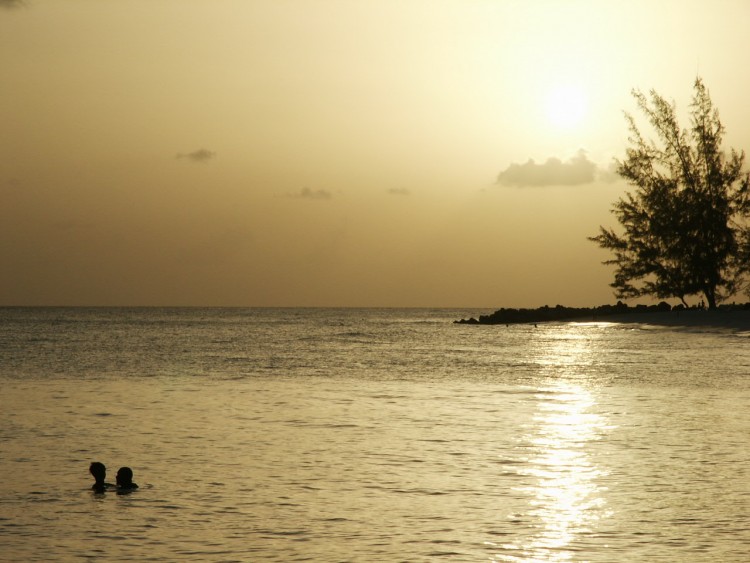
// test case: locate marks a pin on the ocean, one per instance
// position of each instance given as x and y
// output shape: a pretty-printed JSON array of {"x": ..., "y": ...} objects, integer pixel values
[{"x": 370, "y": 435}]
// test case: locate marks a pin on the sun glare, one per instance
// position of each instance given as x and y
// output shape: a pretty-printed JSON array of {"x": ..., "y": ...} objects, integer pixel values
[{"x": 566, "y": 106}]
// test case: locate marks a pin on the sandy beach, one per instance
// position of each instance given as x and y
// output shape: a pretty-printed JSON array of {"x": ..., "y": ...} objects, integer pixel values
[{"x": 730, "y": 319}]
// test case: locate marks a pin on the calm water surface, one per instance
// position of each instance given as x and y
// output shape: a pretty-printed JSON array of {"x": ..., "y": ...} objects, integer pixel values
[{"x": 370, "y": 435}]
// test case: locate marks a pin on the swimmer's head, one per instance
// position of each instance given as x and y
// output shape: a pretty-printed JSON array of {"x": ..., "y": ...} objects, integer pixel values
[
  {"x": 124, "y": 476},
  {"x": 98, "y": 470}
]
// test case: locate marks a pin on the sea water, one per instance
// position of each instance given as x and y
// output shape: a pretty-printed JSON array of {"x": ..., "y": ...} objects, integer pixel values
[{"x": 370, "y": 435}]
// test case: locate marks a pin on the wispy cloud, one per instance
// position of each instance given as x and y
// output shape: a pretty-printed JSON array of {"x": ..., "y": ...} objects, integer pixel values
[
  {"x": 553, "y": 172},
  {"x": 201, "y": 155},
  {"x": 307, "y": 193},
  {"x": 399, "y": 191},
  {"x": 11, "y": 4}
]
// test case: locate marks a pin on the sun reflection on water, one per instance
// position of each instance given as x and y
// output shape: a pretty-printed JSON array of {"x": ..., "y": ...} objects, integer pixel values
[
  {"x": 566, "y": 499},
  {"x": 563, "y": 481}
]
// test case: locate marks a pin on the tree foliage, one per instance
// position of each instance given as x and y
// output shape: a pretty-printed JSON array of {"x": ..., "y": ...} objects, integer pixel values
[{"x": 685, "y": 222}]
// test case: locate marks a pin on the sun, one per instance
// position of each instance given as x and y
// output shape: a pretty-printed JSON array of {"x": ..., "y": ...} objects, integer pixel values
[{"x": 566, "y": 106}]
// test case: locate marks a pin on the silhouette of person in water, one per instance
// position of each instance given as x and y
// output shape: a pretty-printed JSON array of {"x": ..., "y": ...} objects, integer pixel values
[
  {"x": 125, "y": 480},
  {"x": 99, "y": 471}
]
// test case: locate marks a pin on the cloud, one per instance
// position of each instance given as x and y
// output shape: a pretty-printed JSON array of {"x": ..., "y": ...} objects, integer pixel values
[
  {"x": 399, "y": 191},
  {"x": 10, "y": 4},
  {"x": 554, "y": 172},
  {"x": 13, "y": 183},
  {"x": 609, "y": 175},
  {"x": 201, "y": 155},
  {"x": 307, "y": 193}
]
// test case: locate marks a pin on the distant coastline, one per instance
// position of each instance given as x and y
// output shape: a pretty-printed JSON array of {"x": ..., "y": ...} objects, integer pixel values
[{"x": 735, "y": 316}]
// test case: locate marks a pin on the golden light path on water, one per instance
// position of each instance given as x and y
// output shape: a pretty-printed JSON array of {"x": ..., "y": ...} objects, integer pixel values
[{"x": 566, "y": 499}]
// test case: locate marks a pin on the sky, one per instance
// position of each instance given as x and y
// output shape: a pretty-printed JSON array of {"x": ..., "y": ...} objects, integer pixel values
[{"x": 334, "y": 153}]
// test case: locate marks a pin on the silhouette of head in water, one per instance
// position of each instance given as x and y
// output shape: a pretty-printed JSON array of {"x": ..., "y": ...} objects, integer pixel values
[
  {"x": 99, "y": 472},
  {"x": 125, "y": 479}
]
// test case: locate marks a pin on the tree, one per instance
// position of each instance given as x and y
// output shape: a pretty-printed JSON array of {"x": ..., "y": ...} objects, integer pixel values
[{"x": 686, "y": 221}]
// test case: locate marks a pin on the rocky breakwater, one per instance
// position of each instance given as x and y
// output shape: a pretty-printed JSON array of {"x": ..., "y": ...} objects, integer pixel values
[{"x": 561, "y": 313}]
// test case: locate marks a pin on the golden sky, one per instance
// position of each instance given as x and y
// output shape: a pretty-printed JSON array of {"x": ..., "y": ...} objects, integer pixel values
[{"x": 333, "y": 153}]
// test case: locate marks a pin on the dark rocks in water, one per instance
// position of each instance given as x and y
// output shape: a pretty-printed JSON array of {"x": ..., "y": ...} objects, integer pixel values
[{"x": 561, "y": 313}]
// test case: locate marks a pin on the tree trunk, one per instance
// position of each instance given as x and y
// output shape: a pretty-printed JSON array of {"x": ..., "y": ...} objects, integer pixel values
[{"x": 710, "y": 294}]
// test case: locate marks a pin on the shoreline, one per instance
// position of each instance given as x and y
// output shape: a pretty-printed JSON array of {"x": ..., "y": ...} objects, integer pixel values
[{"x": 728, "y": 318}]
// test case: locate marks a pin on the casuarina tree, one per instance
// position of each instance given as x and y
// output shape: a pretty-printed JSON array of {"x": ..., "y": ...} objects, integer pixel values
[{"x": 685, "y": 228}]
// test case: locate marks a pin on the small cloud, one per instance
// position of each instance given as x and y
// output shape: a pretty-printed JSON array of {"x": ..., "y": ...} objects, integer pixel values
[
  {"x": 11, "y": 4},
  {"x": 399, "y": 191},
  {"x": 609, "y": 175},
  {"x": 201, "y": 155},
  {"x": 307, "y": 193},
  {"x": 13, "y": 183},
  {"x": 554, "y": 172}
]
